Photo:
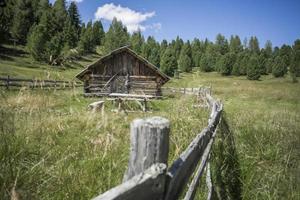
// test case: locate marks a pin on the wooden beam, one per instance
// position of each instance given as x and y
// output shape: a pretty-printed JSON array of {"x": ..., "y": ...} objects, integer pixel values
[{"x": 148, "y": 185}]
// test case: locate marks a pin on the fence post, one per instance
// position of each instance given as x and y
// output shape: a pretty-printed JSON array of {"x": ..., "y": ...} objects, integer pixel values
[
  {"x": 7, "y": 82},
  {"x": 149, "y": 140}
]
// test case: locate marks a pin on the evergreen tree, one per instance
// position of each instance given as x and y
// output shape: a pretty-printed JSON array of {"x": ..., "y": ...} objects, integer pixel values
[
  {"x": 74, "y": 16},
  {"x": 137, "y": 41},
  {"x": 268, "y": 49},
  {"x": 269, "y": 65},
  {"x": 221, "y": 44},
  {"x": 235, "y": 44},
  {"x": 177, "y": 47},
  {"x": 253, "y": 71},
  {"x": 278, "y": 69},
  {"x": 197, "y": 52},
  {"x": 226, "y": 63},
  {"x": 262, "y": 62},
  {"x": 22, "y": 20},
  {"x": 154, "y": 56},
  {"x": 285, "y": 52},
  {"x": 163, "y": 47},
  {"x": 70, "y": 34},
  {"x": 185, "y": 58},
  {"x": 36, "y": 42},
  {"x": 254, "y": 45},
  {"x": 236, "y": 68},
  {"x": 244, "y": 63},
  {"x": 43, "y": 6},
  {"x": 6, "y": 14},
  {"x": 98, "y": 33},
  {"x": 168, "y": 62},
  {"x": 86, "y": 43},
  {"x": 59, "y": 15},
  {"x": 54, "y": 48},
  {"x": 117, "y": 36},
  {"x": 207, "y": 63},
  {"x": 295, "y": 65}
]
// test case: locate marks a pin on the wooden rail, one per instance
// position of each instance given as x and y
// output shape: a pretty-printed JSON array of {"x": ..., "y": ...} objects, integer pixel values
[
  {"x": 148, "y": 176},
  {"x": 10, "y": 83}
]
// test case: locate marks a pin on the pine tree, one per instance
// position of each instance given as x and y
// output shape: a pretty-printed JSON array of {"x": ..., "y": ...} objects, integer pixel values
[
  {"x": 268, "y": 49},
  {"x": 221, "y": 44},
  {"x": 22, "y": 20},
  {"x": 236, "y": 68},
  {"x": 154, "y": 57},
  {"x": 254, "y": 45},
  {"x": 177, "y": 45},
  {"x": 98, "y": 33},
  {"x": 137, "y": 41},
  {"x": 59, "y": 15},
  {"x": 285, "y": 52},
  {"x": 185, "y": 58},
  {"x": 253, "y": 71},
  {"x": 42, "y": 6},
  {"x": 36, "y": 42},
  {"x": 235, "y": 44},
  {"x": 86, "y": 43},
  {"x": 226, "y": 63},
  {"x": 244, "y": 62},
  {"x": 262, "y": 62},
  {"x": 168, "y": 62},
  {"x": 295, "y": 67},
  {"x": 74, "y": 15},
  {"x": 6, "y": 14},
  {"x": 163, "y": 46},
  {"x": 207, "y": 63},
  {"x": 197, "y": 52},
  {"x": 278, "y": 69},
  {"x": 70, "y": 34},
  {"x": 54, "y": 48},
  {"x": 116, "y": 36}
]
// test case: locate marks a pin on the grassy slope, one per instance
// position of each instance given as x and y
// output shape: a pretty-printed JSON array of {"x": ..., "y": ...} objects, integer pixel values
[
  {"x": 264, "y": 119},
  {"x": 56, "y": 149},
  {"x": 16, "y": 62}
]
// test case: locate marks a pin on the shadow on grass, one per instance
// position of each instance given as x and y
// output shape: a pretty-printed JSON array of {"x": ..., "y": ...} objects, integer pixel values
[
  {"x": 6, "y": 52},
  {"x": 226, "y": 168}
]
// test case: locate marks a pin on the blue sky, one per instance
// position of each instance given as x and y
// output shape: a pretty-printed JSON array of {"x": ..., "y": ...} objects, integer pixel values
[{"x": 275, "y": 20}]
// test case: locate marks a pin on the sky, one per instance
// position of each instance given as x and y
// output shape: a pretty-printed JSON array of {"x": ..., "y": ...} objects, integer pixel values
[{"x": 275, "y": 20}]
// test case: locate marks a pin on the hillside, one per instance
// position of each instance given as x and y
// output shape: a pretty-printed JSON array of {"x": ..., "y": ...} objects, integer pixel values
[
  {"x": 16, "y": 62},
  {"x": 49, "y": 152}
]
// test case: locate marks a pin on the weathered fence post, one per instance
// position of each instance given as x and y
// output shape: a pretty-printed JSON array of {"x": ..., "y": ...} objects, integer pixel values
[{"x": 149, "y": 144}]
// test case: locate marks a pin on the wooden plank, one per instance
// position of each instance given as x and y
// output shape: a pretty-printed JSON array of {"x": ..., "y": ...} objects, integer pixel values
[
  {"x": 131, "y": 95},
  {"x": 190, "y": 195},
  {"x": 181, "y": 170},
  {"x": 149, "y": 144},
  {"x": 148, "y": 185}
]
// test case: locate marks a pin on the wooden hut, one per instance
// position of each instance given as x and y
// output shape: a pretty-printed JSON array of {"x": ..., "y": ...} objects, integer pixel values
[{"x": 122, "y": 71}]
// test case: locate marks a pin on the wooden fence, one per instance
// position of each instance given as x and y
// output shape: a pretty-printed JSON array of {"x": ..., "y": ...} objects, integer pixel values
[
  {"x": 11, "y": 83},
  {"x": 148, "y": 177}
]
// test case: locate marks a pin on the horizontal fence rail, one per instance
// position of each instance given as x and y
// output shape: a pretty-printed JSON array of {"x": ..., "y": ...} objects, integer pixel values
[
  {"x": 10, "y": 83},
  {"x": 149, "y": 149}
]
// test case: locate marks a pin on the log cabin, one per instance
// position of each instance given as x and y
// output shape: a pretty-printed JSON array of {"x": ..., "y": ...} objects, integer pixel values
[{"x": 122, "y": 71}]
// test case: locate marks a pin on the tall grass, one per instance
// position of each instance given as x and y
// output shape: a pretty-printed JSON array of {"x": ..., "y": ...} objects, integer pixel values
[
  {"x": 52, "y": 147},
  {"x": 263, "y": 119}
]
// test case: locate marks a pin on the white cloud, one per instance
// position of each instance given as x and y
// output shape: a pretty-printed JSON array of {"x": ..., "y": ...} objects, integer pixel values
[{"x": 132, "y": 19}]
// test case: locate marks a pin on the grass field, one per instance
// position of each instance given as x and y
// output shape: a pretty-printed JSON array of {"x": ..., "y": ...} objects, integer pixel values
[
  {"x": 16, "y": 62},
  {"x": 53, "y": 148}
]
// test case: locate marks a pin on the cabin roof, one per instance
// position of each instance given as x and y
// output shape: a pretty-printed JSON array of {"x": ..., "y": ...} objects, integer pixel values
[{"x": 81, "y": 74}]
